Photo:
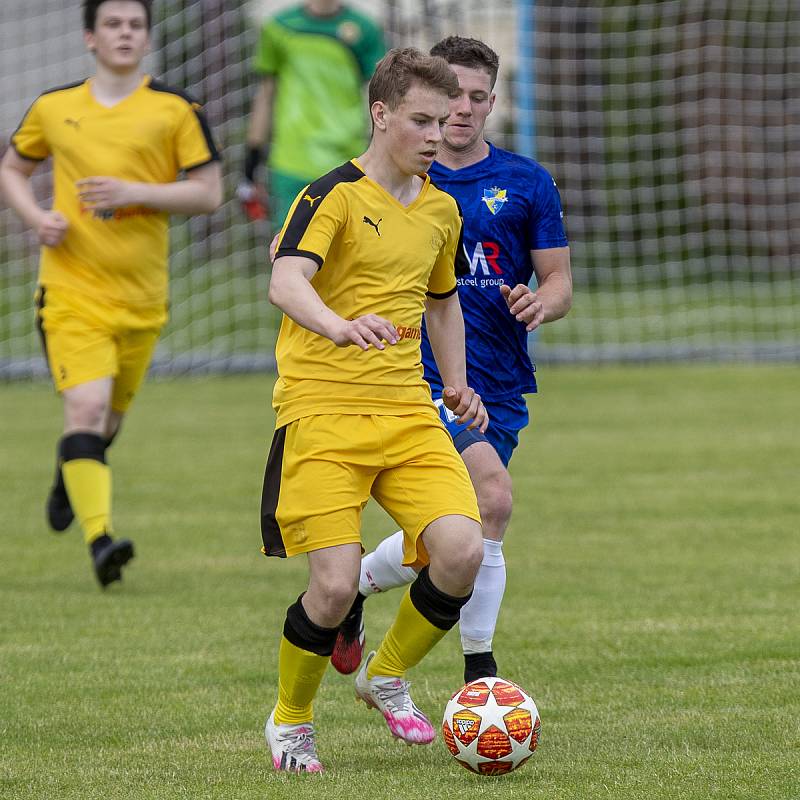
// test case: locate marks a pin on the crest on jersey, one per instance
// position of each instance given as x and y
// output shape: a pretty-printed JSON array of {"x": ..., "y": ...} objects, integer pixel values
[
  {"x": 495, "y": 199},
  {"x": 349, "y": 32}
]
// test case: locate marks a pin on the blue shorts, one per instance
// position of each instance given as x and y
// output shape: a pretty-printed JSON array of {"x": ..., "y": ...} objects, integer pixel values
[{"x": 506, "y": 419}]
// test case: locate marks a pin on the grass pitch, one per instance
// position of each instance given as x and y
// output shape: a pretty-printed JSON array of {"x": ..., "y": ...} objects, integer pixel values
[{"x": 651, "y": 608}]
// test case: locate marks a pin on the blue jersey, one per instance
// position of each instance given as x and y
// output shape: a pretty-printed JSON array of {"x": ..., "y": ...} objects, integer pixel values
[{"x": 510, "y": 206}]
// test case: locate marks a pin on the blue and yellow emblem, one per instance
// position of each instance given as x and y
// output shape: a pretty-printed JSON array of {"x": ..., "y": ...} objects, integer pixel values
[{"x": 495, "y": 199}]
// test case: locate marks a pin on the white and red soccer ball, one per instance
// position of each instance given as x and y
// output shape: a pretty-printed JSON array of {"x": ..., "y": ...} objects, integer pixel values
[{"x": 491, "y": 726}]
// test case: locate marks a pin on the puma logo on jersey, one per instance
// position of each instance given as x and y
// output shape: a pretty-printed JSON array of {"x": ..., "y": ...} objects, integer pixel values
[
  {"x": 75, "y": 123},
  {"x": 368, "y": 221},
  {"x": 311, "y": 200}
]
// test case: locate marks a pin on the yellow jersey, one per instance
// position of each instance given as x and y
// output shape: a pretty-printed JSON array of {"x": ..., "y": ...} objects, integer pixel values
[
  {"x": 151, "y": 136},
  {"x": 375, "y": 256}
]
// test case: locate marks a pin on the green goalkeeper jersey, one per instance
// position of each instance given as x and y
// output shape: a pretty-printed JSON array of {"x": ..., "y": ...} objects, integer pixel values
[{"x": 320, "y": 64}]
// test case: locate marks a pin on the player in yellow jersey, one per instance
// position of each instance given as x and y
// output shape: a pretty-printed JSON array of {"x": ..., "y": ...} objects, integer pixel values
[
  {"x": 365, "y": 251},
  {"x": 119, "y": 142}
]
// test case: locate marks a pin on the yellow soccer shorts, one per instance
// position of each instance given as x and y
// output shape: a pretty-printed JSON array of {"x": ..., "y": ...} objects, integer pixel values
[
  {"x": 86, "y": 338},
  {"x": 321, "y": 471}
]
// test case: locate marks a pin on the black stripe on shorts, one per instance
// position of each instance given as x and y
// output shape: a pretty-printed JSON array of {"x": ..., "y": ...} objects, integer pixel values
[
  {"x": 39, "y": 302},
  {"x": 270, "y": 529}
]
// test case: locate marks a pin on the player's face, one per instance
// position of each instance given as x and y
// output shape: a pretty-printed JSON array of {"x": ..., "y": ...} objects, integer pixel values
[
  {"x": 414, "y": 129},
  {"x": 120, "y": 37},
  {"x": 469, "y": 110}
]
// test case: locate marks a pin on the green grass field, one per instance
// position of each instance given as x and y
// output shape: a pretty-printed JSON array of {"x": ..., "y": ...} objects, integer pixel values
[{"x": 651, "y": 609}]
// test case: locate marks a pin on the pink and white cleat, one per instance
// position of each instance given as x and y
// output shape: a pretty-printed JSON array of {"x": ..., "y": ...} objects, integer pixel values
[
  {"x": 292, "y": 746},
  {"x": 390, "y": 696}
]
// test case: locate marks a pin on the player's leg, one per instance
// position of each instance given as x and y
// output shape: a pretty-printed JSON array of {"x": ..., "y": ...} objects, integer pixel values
[
  {"x": 81, "y": 352},
  {"x": 60, "y": 513},
  {"x": 309, "y": 632},
  {"x": 381, "y": 570},
  {"x": 324, "y": 524},
  {"x": 430, "y": 495},
  {"x": 310, "y": 629},
  {"x": 441, "y": 588},
  {"x": 479, "y": 616},
  {"x": 122, "y": 344},
  {"x": 50, "y": 322},
  {"x": 58, "y": 508},
  {"x": 87, "y": 475},
  {"x": 429, "y": 609},
  {"x": 134, "y": 344},
  {"x": 487, "y": 463},
  {"x": 486, "y": 458}
]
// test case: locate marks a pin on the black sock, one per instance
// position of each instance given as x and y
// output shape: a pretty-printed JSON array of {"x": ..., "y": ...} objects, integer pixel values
[
  {"x": 351, "y": 624},
  {"x": 99, "y": 543},
  {"x": 302, "y": 632},
  {"x": 438, "y": 607},
  {"x": 479, "y": 665},
  {"x": 58, "y": 483},
  {"x": 358, "y": 604}
]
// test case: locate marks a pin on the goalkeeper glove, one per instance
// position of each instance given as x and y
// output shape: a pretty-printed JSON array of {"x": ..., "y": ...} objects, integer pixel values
[
  {"x": 253, "y": 200},
  {"x": 252, "y": 197}
]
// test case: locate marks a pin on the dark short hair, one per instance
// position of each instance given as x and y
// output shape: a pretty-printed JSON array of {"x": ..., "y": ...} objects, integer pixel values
[
  {"x": 472, "y": 53},
  {"x": 90, "y": 12},
  {"x": 400, "y": 69}
]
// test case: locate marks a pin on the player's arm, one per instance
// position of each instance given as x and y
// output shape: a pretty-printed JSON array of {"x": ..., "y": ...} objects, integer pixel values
[
  {"x": 553, "y": 297},
  {"x": 15, "y": 184},
  {"x": 290, "y": 289},
  {"x": 199, "y": 193},
  {"x": 253, "y": 195},
  {"x": 445, "y": 325},
  {"x": 259, "y": 126}
]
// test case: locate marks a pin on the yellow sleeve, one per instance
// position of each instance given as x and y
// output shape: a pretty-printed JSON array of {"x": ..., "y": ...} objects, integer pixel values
[
  {"x": 312, "y": 224},
  {"x": 194, "y": 144},
  {"x": 451, "y": 261},
  {"x": 29, "y": 139}
]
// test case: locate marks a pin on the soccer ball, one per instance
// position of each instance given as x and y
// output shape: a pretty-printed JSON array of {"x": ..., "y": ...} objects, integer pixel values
[{"x": 491, "y": 726}]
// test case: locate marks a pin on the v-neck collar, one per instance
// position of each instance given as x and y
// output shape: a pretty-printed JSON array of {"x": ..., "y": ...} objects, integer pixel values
[
  {"x": 88, "y": 84},
  {"x": 426, "y": 182},
  {"x": 471, "y": 171}
]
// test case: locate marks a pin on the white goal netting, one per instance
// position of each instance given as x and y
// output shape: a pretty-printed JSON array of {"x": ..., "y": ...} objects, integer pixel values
[{"x": 672, "y": 128}]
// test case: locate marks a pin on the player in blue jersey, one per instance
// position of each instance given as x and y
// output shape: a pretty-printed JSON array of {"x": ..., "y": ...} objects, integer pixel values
[{"x": 513, "y": 229}]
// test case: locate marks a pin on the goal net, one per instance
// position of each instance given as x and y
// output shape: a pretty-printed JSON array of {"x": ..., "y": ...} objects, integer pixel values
[{"x": 672, "y": 128}]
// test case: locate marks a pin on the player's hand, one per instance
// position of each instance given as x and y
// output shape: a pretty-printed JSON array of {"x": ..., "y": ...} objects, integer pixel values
[
  {"x": 524, "y": 305},
  {"x": 253, "y": 199},
  {"x": 467, "y": 405},
  {"x": 52, "y": 228},
  {"x": 365, "y": 331},
  {"x": 103, "y": 193},
  {"x": 273, "y": 247}
]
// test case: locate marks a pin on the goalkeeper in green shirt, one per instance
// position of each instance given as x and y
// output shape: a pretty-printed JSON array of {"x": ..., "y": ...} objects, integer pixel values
[{"x": 309, "y": 113}]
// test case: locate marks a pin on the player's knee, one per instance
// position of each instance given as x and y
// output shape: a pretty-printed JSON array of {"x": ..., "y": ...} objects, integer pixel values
[
  {"x": 472, "y": 555},
  {"x": 88, "y": 412},
  {"x": 338, "y": 593},
  {"x": 495, "y": 502},
  {"x": 463, "y": 560}
]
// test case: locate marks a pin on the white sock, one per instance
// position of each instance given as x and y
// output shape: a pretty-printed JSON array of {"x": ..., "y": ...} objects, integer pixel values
[
  {"x": 479, "y": 615},
  {"x": 383, "y": 569}
]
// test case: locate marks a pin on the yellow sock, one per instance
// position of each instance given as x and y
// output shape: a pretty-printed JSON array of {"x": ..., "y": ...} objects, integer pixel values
[
  {"x": 410, "y": 638},
  {"x": 88, "y": 485},
  {"x": 299, "y": 676}
]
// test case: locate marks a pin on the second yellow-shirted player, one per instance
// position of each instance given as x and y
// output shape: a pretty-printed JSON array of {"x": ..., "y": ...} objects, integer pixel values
[{"x": 119, "y": 142}]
